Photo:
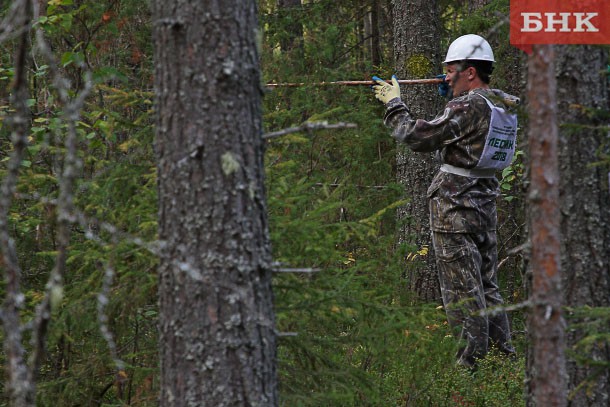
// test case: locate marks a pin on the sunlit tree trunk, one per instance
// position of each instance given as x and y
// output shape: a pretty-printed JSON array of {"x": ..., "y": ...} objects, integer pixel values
[
  {"x": 417, "y": 33},
  {"x": 217, "y": 329},
  {"x": 546, "y": 324},
  {"x": 585, "y": 226}
]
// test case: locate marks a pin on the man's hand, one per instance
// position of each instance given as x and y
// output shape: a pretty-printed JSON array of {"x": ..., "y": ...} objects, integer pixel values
[
  {"x": 384, "y": 91},
  {"x": 443, "y": 87}
]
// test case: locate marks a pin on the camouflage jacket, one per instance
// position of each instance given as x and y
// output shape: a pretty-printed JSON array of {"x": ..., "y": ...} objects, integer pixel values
[{"x": 457, "y": 203}]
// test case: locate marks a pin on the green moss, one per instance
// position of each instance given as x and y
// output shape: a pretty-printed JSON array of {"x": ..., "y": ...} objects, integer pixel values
[{"x": 418, "y": 66}]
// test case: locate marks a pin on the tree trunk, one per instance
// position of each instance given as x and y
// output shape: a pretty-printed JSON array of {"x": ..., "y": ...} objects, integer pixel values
[
  {"x": 372, "y": 33},
  {"x": 585, "y": 211},
  {"x": 217, "y": 327},
  {"x": 474, "y": 5},
  {"x": 416, "y": 52},
  {"x": 545, "y": 322}
]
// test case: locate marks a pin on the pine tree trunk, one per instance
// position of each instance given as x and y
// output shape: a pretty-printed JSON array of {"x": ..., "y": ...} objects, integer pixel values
[
  {"x": 585, "y": 225},
  {"x": 375, "y": 34},
  {"x": 217, "y": 335},
  {"x": 546, "y": 364},
  {"x": 417, "y": 55}
]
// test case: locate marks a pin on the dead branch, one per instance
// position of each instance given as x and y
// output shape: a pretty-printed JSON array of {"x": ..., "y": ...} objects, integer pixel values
[
  {"x": 309, "y": 126},
  {"x": 295, "y": 270},
  {"x": 102, "y": 317},
  {"x": 71, "y": 108},
  {"x": 334, "y": 185},
  {"x": 515, "y": 251},
  {"x": 431, "y": 81},
  {"x": 20, "y": 386}
]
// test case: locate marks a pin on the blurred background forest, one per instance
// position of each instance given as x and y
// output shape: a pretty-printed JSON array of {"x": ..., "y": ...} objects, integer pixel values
[{"x": 352, "y": 333}]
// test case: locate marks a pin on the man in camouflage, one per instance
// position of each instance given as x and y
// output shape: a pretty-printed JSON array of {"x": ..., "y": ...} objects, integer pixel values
[{"x": 475, "y": 137}]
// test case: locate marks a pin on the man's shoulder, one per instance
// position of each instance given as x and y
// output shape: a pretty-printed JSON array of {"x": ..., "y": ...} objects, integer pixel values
[
  {"x": 497, "y": 97},
  {"x": 468, "y": 102}
]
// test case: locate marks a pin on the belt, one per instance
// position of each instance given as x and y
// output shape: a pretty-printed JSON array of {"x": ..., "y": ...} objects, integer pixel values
[{"x": 473, "y": 173}]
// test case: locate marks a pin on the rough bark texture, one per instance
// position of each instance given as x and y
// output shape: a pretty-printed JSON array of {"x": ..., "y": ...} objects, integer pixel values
[
  {"x": 217, "y": 336},
  {"x": 474, "y": 5},
  {"x": 417, "y": 55},
  {"x": 585, "y": 222},
  {"x": 546, "y": 324}
]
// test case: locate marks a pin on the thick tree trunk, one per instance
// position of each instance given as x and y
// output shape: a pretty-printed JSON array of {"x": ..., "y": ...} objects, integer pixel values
[
  {"x": 585, "y": 211},
  {"x": 545, "y": 322},
  {"x": 217, "y": 330},
  {"x": 416, "y": 52}
]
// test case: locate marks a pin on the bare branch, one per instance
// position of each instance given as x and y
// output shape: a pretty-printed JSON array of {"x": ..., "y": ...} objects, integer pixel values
[
  {"x": 430, "y": 81},
  {"x": 515, "y": 251},
  {"x": 15, "y": 23},
  {"x": 20, "y": 387},
  {"x": 309, "y": 126},
  {"x": 102, "y": 301},
  {"x": 65, "y": 202},
  {"x": 295, "y": 270},
  {"x": 378, "y": 187}
]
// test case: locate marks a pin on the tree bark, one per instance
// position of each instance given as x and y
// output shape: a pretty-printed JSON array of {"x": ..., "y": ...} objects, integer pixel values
[
  {"x": 545, "y": 321},
  {"x": 585, "y": 221},
  {"x": 217, "y": 327},
  {"x": 416, "y": 53},
  {"x": 474, "y": 5}
]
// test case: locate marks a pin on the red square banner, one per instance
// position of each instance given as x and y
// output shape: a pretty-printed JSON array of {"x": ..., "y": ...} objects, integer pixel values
[{"x": 559, "y": 22}]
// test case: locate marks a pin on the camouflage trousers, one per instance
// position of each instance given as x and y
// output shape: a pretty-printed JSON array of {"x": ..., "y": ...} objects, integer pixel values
[{"x": 467, "y": 267}]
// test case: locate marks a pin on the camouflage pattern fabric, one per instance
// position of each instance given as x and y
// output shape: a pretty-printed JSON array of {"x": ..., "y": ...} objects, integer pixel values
[
  {"x": 462, "y": 216},
  {"x": 467, "y": 265},
  {"x": 462, "y": 204},
  {"x": 458, "y": 132}
]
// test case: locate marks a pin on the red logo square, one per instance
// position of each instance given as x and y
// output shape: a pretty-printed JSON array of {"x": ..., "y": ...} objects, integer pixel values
[{"x": 559, "y": 22}]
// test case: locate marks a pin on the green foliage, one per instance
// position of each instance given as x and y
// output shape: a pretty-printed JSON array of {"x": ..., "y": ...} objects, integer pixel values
[
  {"x": 352, "y": 335},
  {"x": 115, "y": 197},
  {"x": 511, "y": 176},
  {"x": 591, "y": 326}
]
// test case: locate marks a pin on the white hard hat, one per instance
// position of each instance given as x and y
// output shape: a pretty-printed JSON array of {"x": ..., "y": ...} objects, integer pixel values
[{"x": 469, "y": 46}]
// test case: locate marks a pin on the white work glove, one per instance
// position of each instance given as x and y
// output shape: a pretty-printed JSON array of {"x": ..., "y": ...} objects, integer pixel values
[{"x": 384, "y": 91}]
